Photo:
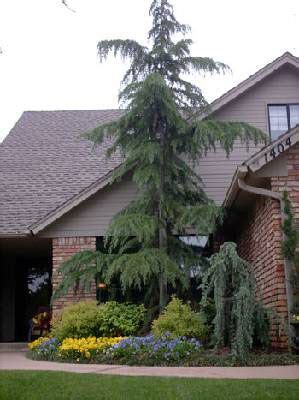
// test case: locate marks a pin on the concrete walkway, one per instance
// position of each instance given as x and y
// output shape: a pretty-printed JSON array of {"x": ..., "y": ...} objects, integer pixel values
[{"x": 16, "y": 360}]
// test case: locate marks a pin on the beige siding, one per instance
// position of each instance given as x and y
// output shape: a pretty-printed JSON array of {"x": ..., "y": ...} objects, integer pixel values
[
  {"x": 92, "y": 217},
  {"x": 215, "y": 169}
]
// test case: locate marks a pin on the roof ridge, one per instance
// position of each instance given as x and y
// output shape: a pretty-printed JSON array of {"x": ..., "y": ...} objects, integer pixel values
[
  {"x": 74, "y": 110},
  {"x": 214, "y": 105}
]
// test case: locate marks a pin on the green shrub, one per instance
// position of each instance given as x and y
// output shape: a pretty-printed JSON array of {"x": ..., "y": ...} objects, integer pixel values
[
  {"x": 120, "y": 319},
  {"x": 179, "y": 320},
  {"x": 86, "y": 318},
  {"x": 77, "y": 321}
]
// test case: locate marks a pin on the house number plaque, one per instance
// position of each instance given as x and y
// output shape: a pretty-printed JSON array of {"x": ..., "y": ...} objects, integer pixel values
[{"x": 278, "y": 149}]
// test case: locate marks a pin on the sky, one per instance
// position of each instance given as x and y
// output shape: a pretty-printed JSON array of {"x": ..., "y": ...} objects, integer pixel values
[{"x": 49, "y": 53}]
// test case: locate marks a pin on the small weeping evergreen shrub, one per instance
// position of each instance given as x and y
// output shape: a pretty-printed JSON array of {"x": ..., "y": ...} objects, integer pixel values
[{"x": 239, "y": 317}]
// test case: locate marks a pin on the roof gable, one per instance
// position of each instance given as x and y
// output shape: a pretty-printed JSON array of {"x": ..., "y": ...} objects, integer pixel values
[
  {"x": 44, "y": 163},
  {"x": 265, "y": 156},
  {"x": 269, "y": 152},
  {"x": 46, "y": 168},
  {"x": 286, "y": 59}
]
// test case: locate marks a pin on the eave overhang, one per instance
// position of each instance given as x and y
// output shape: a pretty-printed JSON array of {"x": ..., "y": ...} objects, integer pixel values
[{"x": 256, "y": 162}]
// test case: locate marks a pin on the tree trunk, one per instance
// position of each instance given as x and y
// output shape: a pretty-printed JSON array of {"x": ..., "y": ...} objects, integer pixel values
[
  {"x": 162, "y": 228},
  {"x": 162, "y": 279}
]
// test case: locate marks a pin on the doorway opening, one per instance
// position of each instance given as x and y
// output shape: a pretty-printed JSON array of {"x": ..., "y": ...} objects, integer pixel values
[
  {"x": 33, "y": 293},
  {"x": 25, "y": 285}
]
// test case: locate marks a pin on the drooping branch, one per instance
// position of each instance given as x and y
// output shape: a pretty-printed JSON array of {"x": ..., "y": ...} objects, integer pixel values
[
  {"x": 232, "y": 283},
  {"x": 65, "y": 3}
]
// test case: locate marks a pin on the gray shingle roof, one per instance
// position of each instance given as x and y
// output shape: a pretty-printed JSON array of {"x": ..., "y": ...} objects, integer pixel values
[{"x": 44, "y": 162}]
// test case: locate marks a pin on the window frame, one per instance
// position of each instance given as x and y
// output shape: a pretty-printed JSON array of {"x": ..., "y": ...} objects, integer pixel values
[{"x": 287, "y": 105}]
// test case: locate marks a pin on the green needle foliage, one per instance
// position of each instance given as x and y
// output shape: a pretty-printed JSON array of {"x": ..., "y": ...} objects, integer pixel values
[
  {"x": 161, "y": 138},
  {"x": 240, "y": 318}
]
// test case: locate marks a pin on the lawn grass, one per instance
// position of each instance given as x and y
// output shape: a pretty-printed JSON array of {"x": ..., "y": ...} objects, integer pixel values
[{"x": 29, "y": 385}]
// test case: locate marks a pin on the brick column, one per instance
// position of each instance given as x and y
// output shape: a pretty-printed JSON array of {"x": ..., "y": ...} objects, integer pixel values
[
  {"x": 259, "y": 243},
  {"x": 62, "y": 249}
]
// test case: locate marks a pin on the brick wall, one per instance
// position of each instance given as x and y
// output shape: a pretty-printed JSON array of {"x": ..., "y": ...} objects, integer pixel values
[
  {"x": 62, "y": 249},
  {"x": 259, "y": 243},
  {"x": 290, "y": 183}
]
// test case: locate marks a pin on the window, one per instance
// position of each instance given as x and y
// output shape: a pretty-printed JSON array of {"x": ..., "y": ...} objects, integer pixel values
[
  {"x": 198, "y": 244},
  {"x": 294, "y": 115},
  {"x": 282, "y": 117}
]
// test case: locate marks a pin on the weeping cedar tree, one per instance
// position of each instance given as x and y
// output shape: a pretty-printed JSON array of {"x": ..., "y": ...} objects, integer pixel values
[
  {"x": 239, "y": 318},
  {"x": 160, "y": 138}
]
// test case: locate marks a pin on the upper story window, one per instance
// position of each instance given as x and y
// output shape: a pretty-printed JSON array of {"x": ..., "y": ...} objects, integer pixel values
[{"x": 282, "y": 117}]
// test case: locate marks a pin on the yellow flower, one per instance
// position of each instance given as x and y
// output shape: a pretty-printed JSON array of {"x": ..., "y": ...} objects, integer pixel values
[
  {"x": 84, "y": 346},
  {"x": 37, "y": 342}
]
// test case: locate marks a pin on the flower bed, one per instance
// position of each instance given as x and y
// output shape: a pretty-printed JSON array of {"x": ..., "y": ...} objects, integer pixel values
[
  {"x": 147, "y": 350},
  {"x": 44, "y": 349},
  {"x": 89, "y": 348},
  {"x": 71, "y": 349},
  {"x": 154, "y": 350}
]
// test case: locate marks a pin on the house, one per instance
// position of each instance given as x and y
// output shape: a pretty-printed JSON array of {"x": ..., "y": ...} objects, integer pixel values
[{"x": 56, "y": 198}]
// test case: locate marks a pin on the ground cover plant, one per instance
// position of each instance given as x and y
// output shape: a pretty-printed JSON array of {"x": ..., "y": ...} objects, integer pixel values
[
  {"x": 147, "y": 350},
  {"x": 31, "y": 385}
]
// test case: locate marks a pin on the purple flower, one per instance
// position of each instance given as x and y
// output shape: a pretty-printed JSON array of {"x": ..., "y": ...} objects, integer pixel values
[{"x": 163, "y": 348}]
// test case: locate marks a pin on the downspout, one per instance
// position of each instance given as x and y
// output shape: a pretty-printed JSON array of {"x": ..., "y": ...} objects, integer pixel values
[{"x": 287, "y": 263}]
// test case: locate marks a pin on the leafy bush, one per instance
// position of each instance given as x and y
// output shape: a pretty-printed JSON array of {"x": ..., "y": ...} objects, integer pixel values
[
  {"x": 178, "y": 319},
  {"x": 120, "y": 319},
  {"x": 86, "y": 318},
  {"x": 77, "y": 320}
]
